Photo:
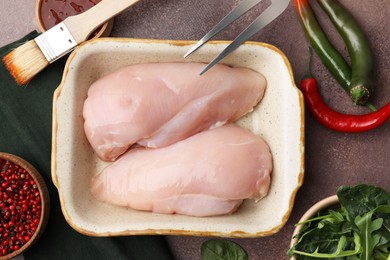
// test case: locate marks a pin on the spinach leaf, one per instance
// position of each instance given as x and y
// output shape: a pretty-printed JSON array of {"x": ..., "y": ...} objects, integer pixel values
[
  {"x": 218, "y": 249},
  {"x": 383, "y": 212},
  {"x": 382, "y": 253},
  {"x": 360, "y": 199},
  {"x": 339, "y": 253},
  {"x": 330, "y": 238}
]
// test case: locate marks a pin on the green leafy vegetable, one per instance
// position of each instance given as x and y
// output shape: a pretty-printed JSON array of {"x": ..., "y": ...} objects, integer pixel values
[
  {"x": 358, "y": 230},
  {"x": 360, "y": 199},
  {"x": 366, "y": 228},
  {"x": 339, "y": 249},
  {"x": 364, "y": 198},
  {"x": 219, "y": 249}
]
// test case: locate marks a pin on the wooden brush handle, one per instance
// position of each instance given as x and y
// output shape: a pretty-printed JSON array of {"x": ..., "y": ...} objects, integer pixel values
[{"x": 82, "y": 25}]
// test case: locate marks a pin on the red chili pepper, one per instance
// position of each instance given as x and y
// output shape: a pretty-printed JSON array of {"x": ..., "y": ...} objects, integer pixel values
[{"x": 338, "y": 121}]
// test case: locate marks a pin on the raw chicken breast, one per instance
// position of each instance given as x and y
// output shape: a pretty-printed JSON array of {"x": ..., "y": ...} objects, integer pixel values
[
  {"x": 207, "y": 174},
  {"x": 160, "y": 103}
]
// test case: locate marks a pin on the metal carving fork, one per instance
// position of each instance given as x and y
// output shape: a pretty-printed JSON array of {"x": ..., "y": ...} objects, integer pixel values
[{"x": 274, "y": 10}]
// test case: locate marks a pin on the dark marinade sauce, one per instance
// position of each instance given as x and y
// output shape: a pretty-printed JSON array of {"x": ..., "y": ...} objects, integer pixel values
[{"x": 55, "y": 11}]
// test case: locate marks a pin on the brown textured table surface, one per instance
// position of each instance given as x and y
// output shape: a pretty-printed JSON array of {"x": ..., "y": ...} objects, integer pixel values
[{"x": 331, "y": 158}]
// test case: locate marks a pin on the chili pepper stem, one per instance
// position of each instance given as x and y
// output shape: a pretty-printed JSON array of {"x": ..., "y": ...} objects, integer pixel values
[
  {"x": 371, "y": 106},
  {"x": 359, "y": 94}
]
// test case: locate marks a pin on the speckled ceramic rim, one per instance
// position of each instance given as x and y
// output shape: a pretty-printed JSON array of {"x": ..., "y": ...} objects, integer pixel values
[
  {"x": 45, "y": 201},
  {"x": 103, "y": 32},
  {"x": 239, "y": 234},
  {"x": 321, "y": 205}
]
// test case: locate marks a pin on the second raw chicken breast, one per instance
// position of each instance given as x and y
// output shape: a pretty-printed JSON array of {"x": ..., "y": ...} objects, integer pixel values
[
  {"x": 158, "y": 104},
  {"x": 207, "y": 174}
]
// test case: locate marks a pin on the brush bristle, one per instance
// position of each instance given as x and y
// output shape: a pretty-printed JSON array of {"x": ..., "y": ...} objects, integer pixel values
[{"x": 25, "y": 62}]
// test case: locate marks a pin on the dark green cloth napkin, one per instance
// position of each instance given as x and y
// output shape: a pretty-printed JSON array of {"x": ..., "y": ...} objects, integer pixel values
[{"x": 25, "y": 130}]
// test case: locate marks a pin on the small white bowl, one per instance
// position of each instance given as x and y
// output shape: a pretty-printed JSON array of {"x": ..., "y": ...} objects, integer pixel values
[{"x": 279, "y": 119}]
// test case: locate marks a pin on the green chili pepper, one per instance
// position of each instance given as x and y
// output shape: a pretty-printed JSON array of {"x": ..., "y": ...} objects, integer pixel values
[
  {"x": 362, "y": 60},
  {"x": 323, "y": 47},
  {"x": 356, "y": 81}
]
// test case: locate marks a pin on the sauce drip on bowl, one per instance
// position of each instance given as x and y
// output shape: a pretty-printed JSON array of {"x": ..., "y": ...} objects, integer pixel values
[{"x": 55, "y": 11}]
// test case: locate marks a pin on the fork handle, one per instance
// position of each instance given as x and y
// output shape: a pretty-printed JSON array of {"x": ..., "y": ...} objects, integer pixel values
[{"x": 82, "y": 25}]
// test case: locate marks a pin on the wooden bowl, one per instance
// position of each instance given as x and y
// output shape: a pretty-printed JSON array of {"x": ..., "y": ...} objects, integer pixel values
[
  {"x": 311, "y": 212},
  {"x": 102, "y": 31},
  {"x": 44, "y": 198}
]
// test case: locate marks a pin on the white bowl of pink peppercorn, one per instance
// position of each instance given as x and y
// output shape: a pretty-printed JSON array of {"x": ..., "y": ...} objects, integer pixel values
[{"x": 24, "y": 205}]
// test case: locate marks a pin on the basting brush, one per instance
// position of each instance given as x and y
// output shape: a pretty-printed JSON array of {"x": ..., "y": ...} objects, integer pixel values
[{"x": 29, "y": 59}]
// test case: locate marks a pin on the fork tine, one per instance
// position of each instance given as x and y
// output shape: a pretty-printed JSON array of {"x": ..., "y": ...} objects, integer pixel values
[
  {"x": 274, "y": 10},
  {"x": 239, "y": 10}
]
